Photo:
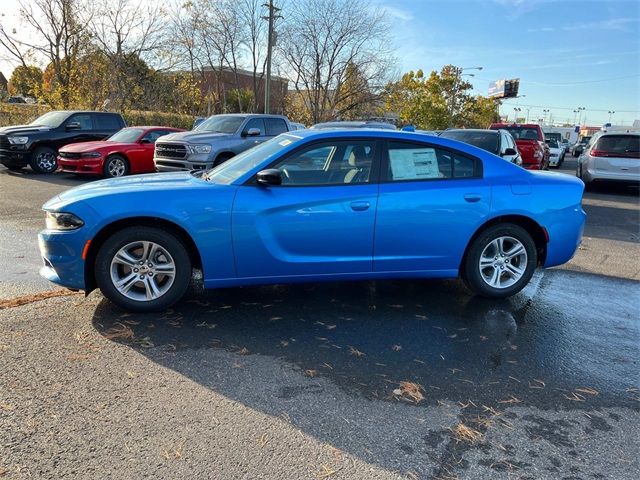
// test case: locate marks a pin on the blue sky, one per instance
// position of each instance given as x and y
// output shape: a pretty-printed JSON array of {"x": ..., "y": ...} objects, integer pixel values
[{"x": 567, "y": 54}]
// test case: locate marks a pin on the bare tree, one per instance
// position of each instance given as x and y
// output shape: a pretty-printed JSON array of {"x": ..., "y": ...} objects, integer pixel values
[
  {"x": 59, "y": 37},
  {"x": 255, "y": 38},
  {"x": 131, "y": 33},
  {"x": 322, "y": 41}
]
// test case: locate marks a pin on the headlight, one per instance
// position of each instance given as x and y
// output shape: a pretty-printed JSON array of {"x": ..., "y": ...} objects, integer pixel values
[
  {"x": 18, "y": 140},
  {"x": 200, "y": 148},
  {"x": 62, "y": 221},
  {"x": 91, "y": 155}
]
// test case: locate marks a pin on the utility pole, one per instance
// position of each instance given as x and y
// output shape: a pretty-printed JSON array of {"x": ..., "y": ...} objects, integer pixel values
[{"x": 270, "y": 41}]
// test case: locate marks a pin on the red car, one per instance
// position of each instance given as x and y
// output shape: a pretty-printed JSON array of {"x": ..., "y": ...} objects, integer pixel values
[
  {"x": 127, "y": 151},
  {"x": 530, "y": 141}
]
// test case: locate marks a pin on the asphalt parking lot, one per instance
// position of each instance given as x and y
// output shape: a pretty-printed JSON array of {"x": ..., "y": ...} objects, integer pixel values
[{"x": 407, "y": 379}]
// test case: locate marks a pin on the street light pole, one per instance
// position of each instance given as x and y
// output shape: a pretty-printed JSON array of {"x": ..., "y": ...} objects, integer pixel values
[
  {"x": 267, "y": 84},
  {"x": 610, "y": 112},
  {"x": 456, "y": 80}
]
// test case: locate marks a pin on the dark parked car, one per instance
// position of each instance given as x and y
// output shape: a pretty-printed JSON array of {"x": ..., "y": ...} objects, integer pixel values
[
  {"x": 37, "y": 144},
  {"x": 498, "y": 142},
  {"x": 16, "y": 99}
]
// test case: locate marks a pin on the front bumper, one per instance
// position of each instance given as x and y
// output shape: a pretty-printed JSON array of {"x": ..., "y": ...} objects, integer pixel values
[
  {"x": 174, "y": 165},
  {"x": 90, "y": 166},
  {"x": 14, "y": 158},
  {"x": 62, "y": 256}
]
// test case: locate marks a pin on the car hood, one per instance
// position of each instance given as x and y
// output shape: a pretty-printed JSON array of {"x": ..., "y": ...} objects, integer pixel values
[
  {"x": 135, "y": 183},
  {"x": 193, "y": 137},
  {"x": 16, "y": 129},
  {"x": 90, "y": 146}
]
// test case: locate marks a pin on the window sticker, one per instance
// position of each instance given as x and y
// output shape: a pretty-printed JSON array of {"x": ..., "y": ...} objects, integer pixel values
[
  {"x": 414, "y": 164},
  {"x": 284, "y": 142}
]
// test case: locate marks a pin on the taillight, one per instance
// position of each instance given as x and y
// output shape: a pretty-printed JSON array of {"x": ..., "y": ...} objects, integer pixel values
[{"x": 598, "y": 153}]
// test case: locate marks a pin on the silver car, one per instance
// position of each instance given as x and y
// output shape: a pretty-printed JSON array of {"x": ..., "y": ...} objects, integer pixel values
[{"x": 612, "y": 157}]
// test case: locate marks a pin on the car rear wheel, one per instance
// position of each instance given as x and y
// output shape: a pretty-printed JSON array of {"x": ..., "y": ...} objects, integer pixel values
[
  {"x": 143, "y": 269},
  {"x": 44, "y": 160},
  {"x": 500, "y": 261},
  {"x": 115, "y": 166}
]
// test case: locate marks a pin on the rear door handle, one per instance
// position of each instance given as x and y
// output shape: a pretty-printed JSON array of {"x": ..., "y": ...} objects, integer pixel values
[
  {"x": 360, "y": 206},
  {"x": 472, "y": 197}
]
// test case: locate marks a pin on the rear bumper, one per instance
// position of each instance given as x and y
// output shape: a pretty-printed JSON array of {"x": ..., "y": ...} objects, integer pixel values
[
  {"x": 81, "y": 166},
  {"x": 594, "y": 175},
  {"x": 565, "y": 230}
]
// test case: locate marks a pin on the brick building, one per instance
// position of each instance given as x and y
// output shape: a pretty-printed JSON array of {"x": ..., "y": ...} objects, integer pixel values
[{"x": 222, "y": 81}]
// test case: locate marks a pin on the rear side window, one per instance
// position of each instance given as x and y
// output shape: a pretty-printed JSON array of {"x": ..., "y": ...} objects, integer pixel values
[
  {"x": 624, "y": 145},
  {"x": 275, "y": 126},
  {"x": 415, "y": 162},
  {"x": 107, "y": 122}
]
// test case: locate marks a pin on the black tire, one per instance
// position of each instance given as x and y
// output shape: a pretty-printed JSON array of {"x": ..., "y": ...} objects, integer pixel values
[
  {"x": 167, "y": 241},
  {"x": 223, "y": 157},
  {"x": 44, "y": 160},
  {"x": 115, "y": 166},
  {"x": 474, "y": 279}
]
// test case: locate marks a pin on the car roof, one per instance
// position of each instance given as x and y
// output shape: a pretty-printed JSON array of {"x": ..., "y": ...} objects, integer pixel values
[
  {"x": 247, "y": 115},
  {"x": 524, "y": 125},
  {"x": 609, "y": 134},
  {"x": 473, "y": 130},
  {"x": 153, "y": 127},
  {"x": 354, "y": 124}
]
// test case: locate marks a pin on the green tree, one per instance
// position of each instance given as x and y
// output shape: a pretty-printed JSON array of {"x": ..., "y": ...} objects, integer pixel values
[
  {"x": 26, "y": 81},
  {"x": 438, "y": 101}
]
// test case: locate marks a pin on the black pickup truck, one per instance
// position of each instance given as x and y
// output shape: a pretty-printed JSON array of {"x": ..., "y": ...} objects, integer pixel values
[{"x": 37, "y": 144}]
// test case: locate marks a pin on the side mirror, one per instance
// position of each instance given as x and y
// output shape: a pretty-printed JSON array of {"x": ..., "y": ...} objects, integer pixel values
[
  {"x": 145, "y": 140},
  {"x": 72, "y": 126},
  {"x": 509, "y": 152},
  {"x": 252, "y": 132},
  {"x": 270, "y": 176}
]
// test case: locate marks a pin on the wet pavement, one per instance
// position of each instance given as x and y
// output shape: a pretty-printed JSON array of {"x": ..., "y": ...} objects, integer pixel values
[{"x": 394, "y": 379}]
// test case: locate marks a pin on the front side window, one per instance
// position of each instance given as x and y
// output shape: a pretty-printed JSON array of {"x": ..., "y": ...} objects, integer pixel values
[
  {"x": 409, "y": 161},
  {"x": 255, "y": 123},
  {"x": 154, "y": 135},
  {"x": 329, "y": 163},
  {"x": 83, "y": 119}
]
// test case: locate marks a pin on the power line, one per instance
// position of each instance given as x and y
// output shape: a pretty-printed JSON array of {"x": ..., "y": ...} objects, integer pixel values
[{"x": 580, "y": 83}]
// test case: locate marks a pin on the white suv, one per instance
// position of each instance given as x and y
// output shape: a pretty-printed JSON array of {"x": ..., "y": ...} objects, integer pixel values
[{"x": 612, "y": 157}]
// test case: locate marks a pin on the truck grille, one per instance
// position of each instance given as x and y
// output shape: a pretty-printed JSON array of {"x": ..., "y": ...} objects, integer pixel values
[{"x": 171, "y": 150}]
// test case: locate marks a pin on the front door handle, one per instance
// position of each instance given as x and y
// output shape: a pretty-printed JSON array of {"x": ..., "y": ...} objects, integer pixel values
[
  {"x": 360, "y": 206},
  {"x": 472, "y": 197}
]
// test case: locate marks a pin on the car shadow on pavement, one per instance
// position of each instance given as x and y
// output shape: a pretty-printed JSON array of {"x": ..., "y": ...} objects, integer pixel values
[
  {"x": 282, "y": 350},
  {"x": 367, "y": 337}
]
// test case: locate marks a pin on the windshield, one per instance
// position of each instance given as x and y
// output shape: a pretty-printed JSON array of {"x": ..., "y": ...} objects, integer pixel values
[
  {"x": 233, "y": 169},
  {"x": 51, "y": 119},
  {"x": 485, "y": 140},
  {"x": 221, "y": 124},
  {"x": 126, "y": 135},
  {"x": 522, "y": 133}
]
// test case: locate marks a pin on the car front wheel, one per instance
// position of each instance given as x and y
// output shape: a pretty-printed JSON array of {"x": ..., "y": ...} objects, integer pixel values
[
  {"x": 143, "y": 269},
  {"x": 44, "y": 160},
  {"x": 500, "y": 261}
]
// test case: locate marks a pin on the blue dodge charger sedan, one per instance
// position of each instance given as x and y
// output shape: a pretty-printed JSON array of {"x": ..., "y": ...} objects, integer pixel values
[{"x": 315, "y": 205}]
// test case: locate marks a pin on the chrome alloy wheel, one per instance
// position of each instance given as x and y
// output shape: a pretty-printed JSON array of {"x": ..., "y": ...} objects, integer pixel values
[
  {"x": 46, "y": 161},
  {"x": 142, "y": 271},
  {"x": 116, "y": 167},
  {"x": 503, "y": 262}
]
